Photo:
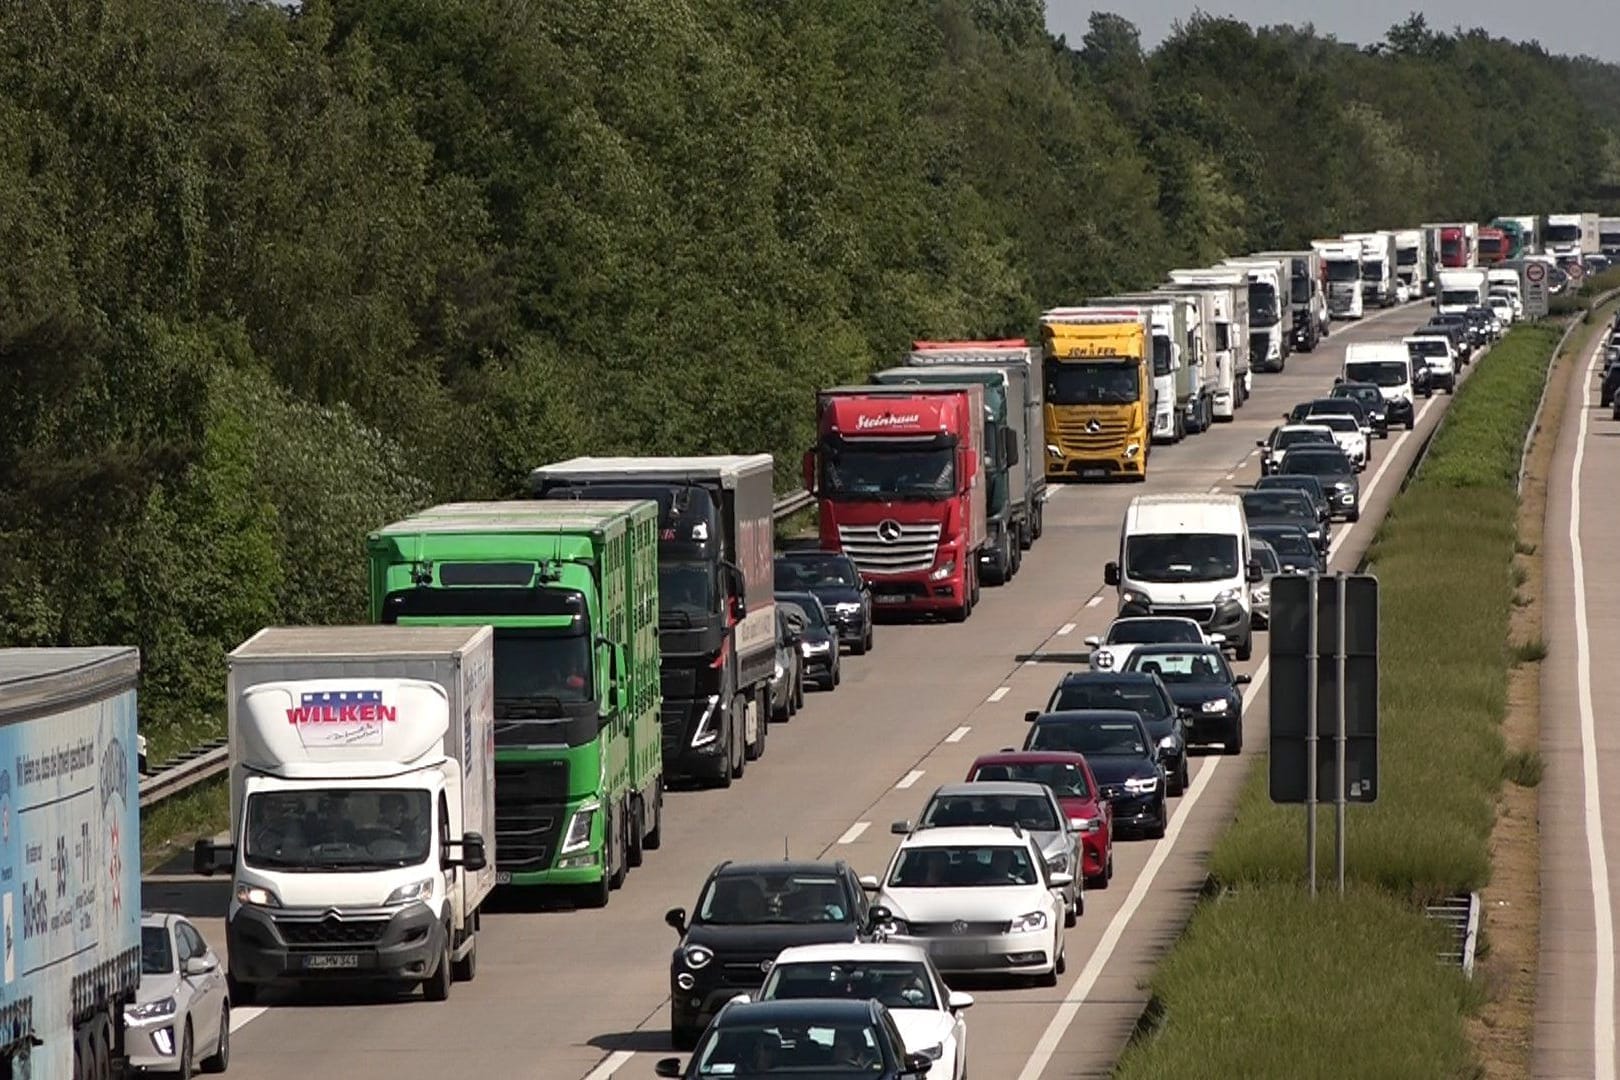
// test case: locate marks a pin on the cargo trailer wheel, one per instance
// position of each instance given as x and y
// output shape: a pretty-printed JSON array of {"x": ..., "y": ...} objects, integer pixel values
[
  {"x": 101, "y": 1052},
  {"x": 220, "y": 1059},
  {"x": 616, "y": 831},
  {"x": 655, "y": 836},
  {"x": 739, "y": 738},
  {"x": 634, "y": 853},
  {"x": 762, "y": 717},
  {"x": 435, "y": 987},
  {"x": 1038, "y": 524}
]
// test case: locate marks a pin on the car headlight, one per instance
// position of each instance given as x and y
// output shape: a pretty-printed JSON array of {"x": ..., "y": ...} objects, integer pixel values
[
  {"x": 1058, "y": 863},
  {"x": 256, "y": 896},
  {"x": 1226, "y": 596},
  {"x": 150, "y": 1010},
  {"x": 944, "y": 571},
  {"x": 1218, "y": 705},
  {"x": 696, "y": 956},
  {"x": 1102, "y": 661},
  {"x": 415, "y": 890},
  {"x": 1142, "y": 785},
  {"x": 847, "y": 607},
  {"x": 578, "y": 836},
  {"x": 1028, "y": 923},
  {"x": 1169, "y": 742},
  {"x": 1341, "y": 485},
  {"x": 813, "y": 647}
]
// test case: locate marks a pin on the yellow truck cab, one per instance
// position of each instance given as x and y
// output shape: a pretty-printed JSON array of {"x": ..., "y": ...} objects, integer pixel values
[{"x": 1097, "y": 366}]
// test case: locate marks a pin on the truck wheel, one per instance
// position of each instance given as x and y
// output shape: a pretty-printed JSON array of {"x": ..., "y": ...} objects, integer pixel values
[
  {"x": 1245, "y": 648},
  {"x": 465, "y": 969},
  {"x": 739, "y": 737},
  {"x": 633, "y": 852},
  {"x": 762, "y": 707},
  {"x": 220, "y": 1059},
  {"x": 655, "y": 835},
  {"x": 435, "y": 987},
  {"x": 1017, "y": 558},
  {"x": 1038, "y": 522},
  {"x": 616, "y": 830}
]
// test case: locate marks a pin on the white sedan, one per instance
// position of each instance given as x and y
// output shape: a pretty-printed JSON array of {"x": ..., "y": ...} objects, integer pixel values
[
  {"x": 979, "y": 899},
  {"x": 928, "y": 1013},
  {"x": 1348, "y": 434},
  {"x": 1109, "y": 652}
]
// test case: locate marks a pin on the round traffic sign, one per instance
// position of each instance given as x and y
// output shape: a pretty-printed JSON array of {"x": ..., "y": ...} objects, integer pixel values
[
  {"x": 1575, "y": 271},
  {"x": 1535, "y": 272}
]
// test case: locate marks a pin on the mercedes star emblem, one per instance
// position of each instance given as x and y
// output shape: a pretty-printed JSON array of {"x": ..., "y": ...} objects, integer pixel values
[
  {"x": 958, "y": 927},
  {"x": 1093, "y": 426},
  {"x": 888, "y": 530}
]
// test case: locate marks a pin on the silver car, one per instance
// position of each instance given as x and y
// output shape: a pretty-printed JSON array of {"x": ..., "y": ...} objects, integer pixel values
[
  {"x": 1260, "y": 595},
  {"x": 1005, "y": 803},
  {"x": 181, "y": 1017}
]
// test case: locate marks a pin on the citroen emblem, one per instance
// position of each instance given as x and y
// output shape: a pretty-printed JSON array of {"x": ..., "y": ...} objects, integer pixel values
[
  {"x": 888, "y": 530},
  {"x": 1093, "y": 426},
  {"x": 958, "y": 927}
]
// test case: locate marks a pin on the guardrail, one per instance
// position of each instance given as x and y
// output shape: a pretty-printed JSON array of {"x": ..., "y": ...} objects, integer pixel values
[{"x": 212, "y": 758}]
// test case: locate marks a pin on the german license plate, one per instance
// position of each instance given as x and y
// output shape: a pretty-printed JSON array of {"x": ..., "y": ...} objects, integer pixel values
[
  {"x": 1090, "y": 474},
  {"x": 890, "y": 598},
  {"x": 332, "y": 961},
  {"x": 503, "y": 877},
  {"x": 949, "y": 947}
]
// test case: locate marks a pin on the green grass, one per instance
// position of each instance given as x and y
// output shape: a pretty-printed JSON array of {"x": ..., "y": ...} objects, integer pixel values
[
  {"x": 1528, "y": 652},
  {"x": 1523, "y": 767},
  {"x": 1268, "y": 984},
  {"x": 169, "y": 827}
]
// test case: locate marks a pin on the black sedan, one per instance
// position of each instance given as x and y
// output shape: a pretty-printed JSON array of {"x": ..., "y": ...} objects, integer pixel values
[
  {"x": 1142, "y": 694},
  {"x": 832, "y": 578},
  {"x": 1372, "y": 400},
  {"x": 1293, "y": 507},
  {"x": 1122, "y": 756},
  {"x": 805, "y": 1037},
  {"x": 1205, "y": 688},
  {"x": 1334, "y": 471},
  {"x": 1295, "y": 550},
  {"x": 1310, "y": 485},
  {"x": 747, "y": 913},
  {"x": 818, "y": 639}
]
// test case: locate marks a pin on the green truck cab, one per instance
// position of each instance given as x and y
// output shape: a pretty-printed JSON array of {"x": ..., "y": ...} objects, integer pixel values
[{"x": 572, "y": 592}]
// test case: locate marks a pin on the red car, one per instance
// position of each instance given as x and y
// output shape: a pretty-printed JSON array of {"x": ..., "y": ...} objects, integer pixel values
[{"x": 1071, "y": 780}]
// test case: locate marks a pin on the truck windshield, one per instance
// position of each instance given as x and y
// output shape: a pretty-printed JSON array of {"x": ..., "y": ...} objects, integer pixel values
[
  {"x": 1378, "y": 372},
  {"x": 1181, "y": 557},
  {"x": 889, "y": 472},
  {"x": 1343, "y": 270},
  {"x": 1563, "y": 234},
  {"x": 1459, "y": 297},
  {"x": 686, "y": 587},
  {"x": 1372, "y": 271},
  {"x": 1161, "y": 355},
  {"x": 541, "y": 666},
  {"x": 1091, "y": 384},
  {"x": 1406, "y": 257},
  {"x": 354, "y": 829},
  {"x": 1263, "y": 309},
  {"x": 1300, "y": 290}
]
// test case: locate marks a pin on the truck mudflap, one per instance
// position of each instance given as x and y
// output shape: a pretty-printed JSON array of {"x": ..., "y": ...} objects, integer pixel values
[{"x": 287, "y": 944}]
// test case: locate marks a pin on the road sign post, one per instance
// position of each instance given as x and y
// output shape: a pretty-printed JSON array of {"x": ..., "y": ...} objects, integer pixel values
[
  {"x": 1324, "y": 656},
  {"x": 1535, "y": 299}
]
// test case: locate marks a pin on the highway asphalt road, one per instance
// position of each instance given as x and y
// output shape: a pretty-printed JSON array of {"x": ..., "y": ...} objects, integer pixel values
[
  {"x": 583, "y": 994},
  {"x": 1580, "y": 746}
]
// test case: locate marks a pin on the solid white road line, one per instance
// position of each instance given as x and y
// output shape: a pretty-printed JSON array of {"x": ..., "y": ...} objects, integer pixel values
[
  {"x": 910, "y": 778},
  {"x": 1231, "y": 476},
  {"x": 1597, "y": 859},
  {"x": 1378, "y": 477},
  {"x": 1068, "y": 628},
  {"x": 998, "y": 693},
  {"x": 1050, "y": 1039},
  {"x": 243, "y": 1015},
  {"x": 853, "y": 833},
  {"x": 610, "y": 1065},
  {"x": 1093, "y": 602},
  {"x": 959, "y": 734}
]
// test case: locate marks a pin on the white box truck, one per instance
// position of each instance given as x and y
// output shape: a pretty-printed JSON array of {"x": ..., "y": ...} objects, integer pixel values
[
  {"x": 1412, "y": 263},
  {"x": 362, "y": 776},
  {"x": 1378, "y": 274},
  {"x": 70, "y": 872},
  {"x": 1609, "y": 236},
  {"x": 1270, "y": 318},
  {"x": 1341, "y": 261},
  {"x": 1198, "y": 377},
  {"x": 1460, "y": 290},
  {"x": 1230, "y": 288}
]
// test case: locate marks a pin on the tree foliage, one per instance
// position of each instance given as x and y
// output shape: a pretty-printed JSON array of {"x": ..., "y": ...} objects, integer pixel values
[{"x": 275, "y": 276}]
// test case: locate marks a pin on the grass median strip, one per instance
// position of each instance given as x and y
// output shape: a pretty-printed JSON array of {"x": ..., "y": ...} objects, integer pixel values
[{"x": 1267, "y": 983}]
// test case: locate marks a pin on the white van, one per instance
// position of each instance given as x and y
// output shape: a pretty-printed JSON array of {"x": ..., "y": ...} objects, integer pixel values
[
  {"x": 1387, "y": 365},
  {"x": 1189, "y": 555}
]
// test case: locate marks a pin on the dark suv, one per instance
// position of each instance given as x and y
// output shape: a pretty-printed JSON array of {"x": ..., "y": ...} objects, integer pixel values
[
  {"x": 831, "y": 577},
  {"x": 747, "y": 913}
]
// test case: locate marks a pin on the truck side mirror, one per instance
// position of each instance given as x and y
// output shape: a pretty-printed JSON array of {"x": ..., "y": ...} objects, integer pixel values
[
  {"x": 473, "y": 856},
  {"x": 1255, "y": 575},
  {"x": 807, "y": 467},
  {"x": 208, "y": 858},
  {"x": 1009, "y": 442},
  {"x": 1111, "y": 574}
]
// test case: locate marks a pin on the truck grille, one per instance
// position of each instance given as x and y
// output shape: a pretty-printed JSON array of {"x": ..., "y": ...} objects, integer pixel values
[
  {"x": 331, "y": 931},
  {"x": 912, "y": 550},
  {"x": 679, "y": 683},
  {"x": 526, "y": 832},
  {"x": 1093, "y": 434}
]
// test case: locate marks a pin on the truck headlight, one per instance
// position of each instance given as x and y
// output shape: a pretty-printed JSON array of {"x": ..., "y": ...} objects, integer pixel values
[
  {"x": 1261, "y": 594},
  {"x": 1226, "y": 596},
  {"x": 1053, "y": 450},
  {"x": 415, "y": 890},
  {"x": 1133, "y": 449},
  {"x": 256, "y": 896},
  {"x": 1216, "y": 706},
  {"x": 944, "y": 571},
  {"x": 705, "y": 732},
  {"x": 150, "y": 1010},
  {"x": 578, "y": 836},
  {"x": 1028, "y": 923},
  {"x": 1131, "y": 596}
]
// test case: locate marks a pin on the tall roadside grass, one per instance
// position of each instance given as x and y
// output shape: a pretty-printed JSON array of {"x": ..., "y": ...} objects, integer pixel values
[{"x": 1267, "y": 983}]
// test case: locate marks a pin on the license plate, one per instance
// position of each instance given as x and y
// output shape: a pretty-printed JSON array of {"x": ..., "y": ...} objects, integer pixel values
[
  {"x": 958, "y": 948},
  {"x": 890, "y": 598},
  {"x": 503, "y": 877},
  {"x": 1093, "y": 473},
  {"x": 332, "y": 961}
]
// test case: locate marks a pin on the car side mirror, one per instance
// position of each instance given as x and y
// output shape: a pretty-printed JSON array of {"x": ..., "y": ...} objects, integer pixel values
[
  {"x": 1243, "y": 680},
  {"x": 807, "y": 469},
  {"x": 200, "y": 965},
  {"x": 918, "y": 1064},
  {"x": 1031, "y": 715},
  {"x": 1111, "y": 574},
  {"x": 959, "y": 1001},
  {"x": 1094, "y": 641},
  {"x": 473, "y": 855},
  {"x": 1062, "y": 880},
  {"x": 1261, "y": 443},
  {"x": 208, "y": 858},
  {"x": 869, "y": 882},
  {"x": 880, "y": 915},
  {"x": 675, "y": 919},
  {"x": 900, "y": 828},
  {"x": 668, "y": 1067}
]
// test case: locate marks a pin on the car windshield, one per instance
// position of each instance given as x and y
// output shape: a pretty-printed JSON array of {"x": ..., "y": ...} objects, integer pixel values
[
  {"x": 1364, "y": 394},
  {"x": 157, "y": 955},
  {"x": 1267, "y": 555},
  {"x": 1142, "y": 631},
  {"x": 1313, "y": 463},
  {"x": 813, "y": 612},
  {"x": 1105, "y": 738},
  {"x": 1137, "y": 695},
  {"x": 1337, "y": 421},
  {"x": 888, "y": 472},
  {"x": 809, "y": 572},
  {"x": 1300, "y": 436},
  {"x": 1287, "y": 541},
  {"x": 749, "y": 899},
  {"x": 963, "y": 866},
  {"x": 1427, "y": 347},
  {"x": 1377, "y": 372},
  {"x": 1181, "y": 556},
  {"x": 1072, "y": 383},
  {"x": 1309, "y": 486},
  {"x": 310, "y": 830},
  {"x": 1193, "y": 666},
  {"x": 899, "y": 984},
  {"x": 1067, "y": 780},
  {"x": 1271, "y": 504},
  {"x": 807, "y": 1049},
  {"x": 1033, "y": 812}
]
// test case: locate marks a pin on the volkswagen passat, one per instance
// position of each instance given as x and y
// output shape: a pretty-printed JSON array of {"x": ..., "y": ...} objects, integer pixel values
[
  {"x": 978, "y": 899},
  {"x": 1071, "y": 780}
]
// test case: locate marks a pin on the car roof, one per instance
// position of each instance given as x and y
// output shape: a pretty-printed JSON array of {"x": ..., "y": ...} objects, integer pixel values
[
  {"x": 817, "y": 554},
  {"x": 1162, "y": 647},
  {"x": 1288, "y": 492},
  {"x": 1098, "y": 716},
  {"x": 850, "y": 950},
  {"x": 798, "y": 596},
  {"x": 1030, "y": 757},
  {"x": 1312, "y": 450},
  {"x": 1152, "y": 618},
  {"x": 992, "y": 787},
  {"x": 781, "y": 866},
  {"x": 968, "y": 836},
  {"x": 1081, "y": 678},
  {"x": 159, "y": 918},
  {"x": 1277, "y": 527},
  {"x": 1283, "y": 480},
  {"x": 800, "y": 1010}
]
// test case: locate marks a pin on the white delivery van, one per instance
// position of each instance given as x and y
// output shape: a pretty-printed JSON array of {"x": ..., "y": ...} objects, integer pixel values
[
  {"x": 1387, "y": 365},
  {"x": 1189, "y": 556}
]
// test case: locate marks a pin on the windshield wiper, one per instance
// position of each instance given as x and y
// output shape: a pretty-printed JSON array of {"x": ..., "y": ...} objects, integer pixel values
[
  {"x": 674, "y": 619},
  {"x": 528, "y": 707}
]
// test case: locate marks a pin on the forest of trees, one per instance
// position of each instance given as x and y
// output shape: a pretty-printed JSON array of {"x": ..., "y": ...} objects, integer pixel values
[{"x": 272, "y": 278}]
